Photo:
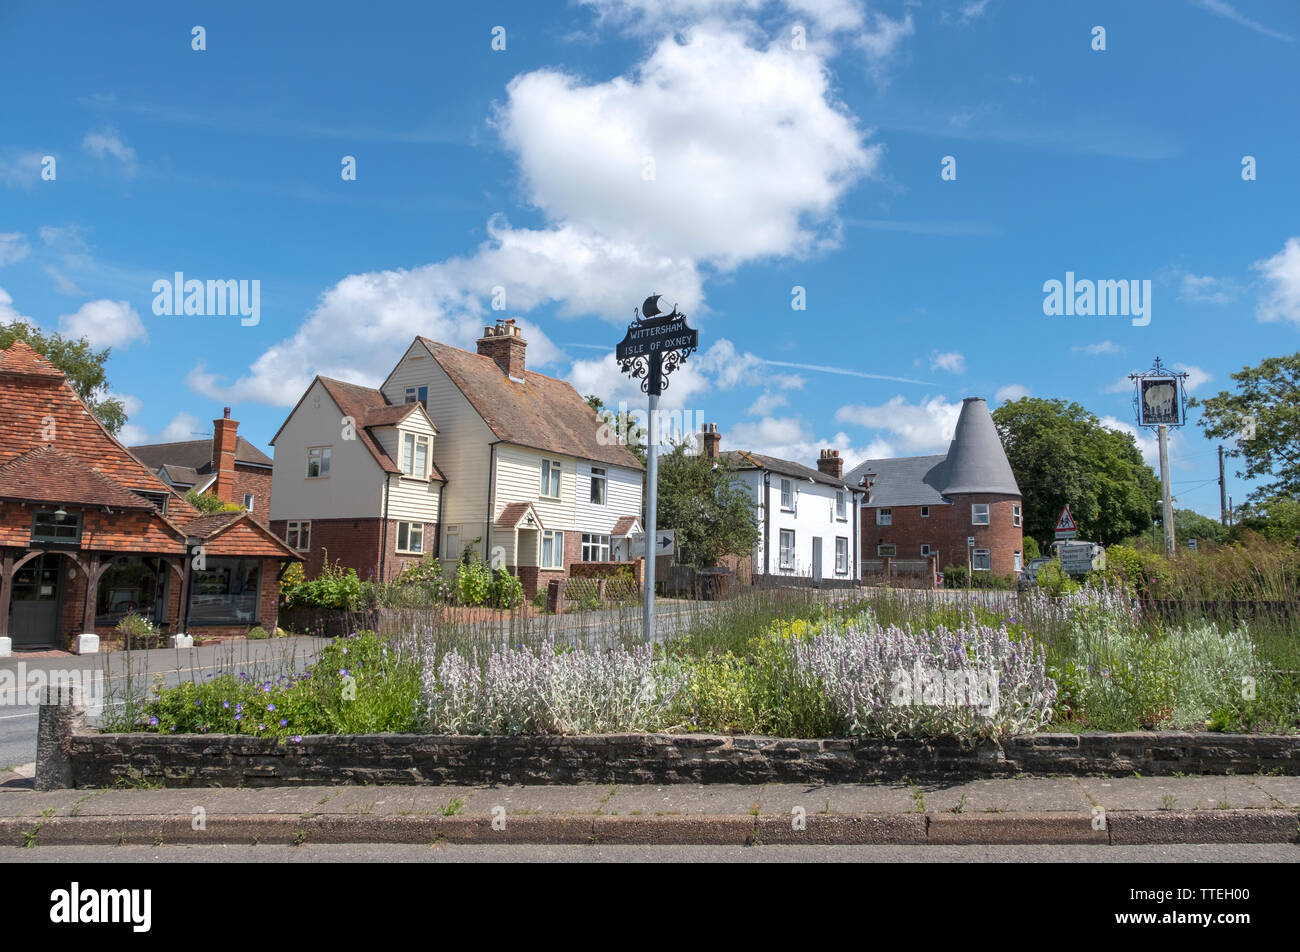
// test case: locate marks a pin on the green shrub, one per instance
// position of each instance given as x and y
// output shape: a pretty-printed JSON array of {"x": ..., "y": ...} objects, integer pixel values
[
  {"x": 335, "y": 587},
  {"x": 137, "y": 633},
  {"x": 473, "y": 580},
  {"x": 207, "y": 503},
  {"x": 1054, "y": 580},
  {"x": 505, "y": 591},
  {"x": 257, "y": 633},
  {"x": 1030, "y": 550},
  {"x": 954, "y": 576}
]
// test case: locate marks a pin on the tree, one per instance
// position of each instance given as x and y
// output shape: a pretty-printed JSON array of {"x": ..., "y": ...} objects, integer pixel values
[
  {"x": 1189, "y": 524},
  {"x": 1260, "y": 424},
  {"x": 622, "y": 428},
  {"x": 207, "y": 503},
  {"x": 1061, "y": 453},
  {"x": 1276, "y": 518},
  {"x": 711, "y": 514},
  {"x": 83, "y": 365}
]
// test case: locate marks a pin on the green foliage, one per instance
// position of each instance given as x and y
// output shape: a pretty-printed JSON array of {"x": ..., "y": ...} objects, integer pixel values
[
  {"x": 1267, "y": 400},
  {"x": 1054, "y": 580},
  {"x": 1189, "y": 524},
  {"x": 83, "y": 365},
  {"x": 711, "y": 514},
  {"x": 207, "y": 503},
  {"x": 257, "y": 633},
  {"x": 473, "y": 581},
  {"x": 1061, "y": 453},
  {"x": 358, "y": 684},
  {"x": 335, "y": 587},
  {"x": 505, "y": 591},
  {"x": 1030, "y": 550},
  {"x": 622, "y": 428},
  {"x": 289, "y": 581},
  {"x": 427, "y": 579},
  {"x": 135, "y": 632},
  {"x": 1276, "y": 519},
  {"x": 955, "y": 576}
]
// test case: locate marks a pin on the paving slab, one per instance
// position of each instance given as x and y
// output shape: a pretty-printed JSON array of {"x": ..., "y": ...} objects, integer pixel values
[
  {"x": 1185, "y": 793},
  {"x": 1037, "y": 795},
  {"x": 715, "y": 798},
  {"x": 1284, "y": 791},
  {"x": 27, "y": 803},
  {"x": 855, "y": 798}
]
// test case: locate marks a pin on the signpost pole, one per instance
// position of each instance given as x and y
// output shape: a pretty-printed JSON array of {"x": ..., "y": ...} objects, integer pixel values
[
  {"x": 1168, "y": 518},
  {"x": 651, "y": 500}
]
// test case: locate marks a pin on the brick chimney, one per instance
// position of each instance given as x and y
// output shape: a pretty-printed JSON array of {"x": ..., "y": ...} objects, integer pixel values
[
  {"x": 223, "y": 456},
  {"x": 711, "y": 440},
  {"x": 504, "y": 344},
  {"x": 831, "y": 464}
]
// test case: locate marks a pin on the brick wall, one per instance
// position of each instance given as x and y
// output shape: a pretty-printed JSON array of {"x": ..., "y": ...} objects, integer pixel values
[
  {"x": 946, "y": 529},
  {"x": 357, "y": 544},
  {"x": 255, "y": 480}
]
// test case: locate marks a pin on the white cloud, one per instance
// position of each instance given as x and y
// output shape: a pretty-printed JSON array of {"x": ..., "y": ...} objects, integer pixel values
[
  {"x": 751, "y": 153},
  {"x": 1012, "y": 391},
  {"x": 1195, "y": 376},
  {"x": 791, "y": 438},
  {"x": 917, "y": 428},
  {"x": 767, "y": 402},
  {"x": 109, "y": 142},
  {"x": 65, "y": 238},
  {"x": 1096, "y": 350},
  {"x": 183, "y": 426},
  {"x": 104, "y": 323},
  {"x": 13, "y": 247},
  {"x": 61, "y": 281},
  {"x": 132, "y": 434},
  {"x": 1205, "y": 289},
  {"x": 954, "y": 362},
  {"x": 20, "y": 169},
  {"x": 8, "y": 313},
  {"x": 1281, "y": 272},
  {"x": 1121, "y": 385}
]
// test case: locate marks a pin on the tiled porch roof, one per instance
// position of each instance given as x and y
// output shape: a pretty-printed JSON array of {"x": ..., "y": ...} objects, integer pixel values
[{"x": 46, "y": 475}]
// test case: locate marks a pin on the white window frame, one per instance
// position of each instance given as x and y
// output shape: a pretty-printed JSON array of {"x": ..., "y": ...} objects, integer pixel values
[
  {"x": 551, "y": 475},
  {"x": 975, "y": 513},
  {"x": 410, "y": 537},
  {"x": 885, "y": 517},
  {"x": 321, "y": 455},
  {"x": 556, "y": 538},
  {"x": 599, "y": 477},
  {"x": 925, "y": 512},
  {"x": 1016, "y": 519},
  {"x": 981, "y": 554},
  {"x": 787, "y": 495},
  {"x": 786, "y": 554},
  {"x": 841, "y": 555},
  {"x": 841, "y": 506},
  {"x": 250, "y": 500},
  {"x": 596, "y": 547},
  {"x": 891, "y": 553},
  {"x": 1020, "y": 561},
  {"x": 297, "y": 535},
  {"x": 418, "y": 395},
  {"x": 926, "y": 551},
  {"x": 410, "y": 443}
]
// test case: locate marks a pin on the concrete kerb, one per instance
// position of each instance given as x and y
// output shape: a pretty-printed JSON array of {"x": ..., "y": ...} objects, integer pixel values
[{"x": 1227, "y": 826}]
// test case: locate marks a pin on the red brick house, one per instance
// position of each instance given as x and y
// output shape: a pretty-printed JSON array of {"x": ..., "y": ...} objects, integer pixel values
[
  {"x": 919, "y": 506},
  {"x": 89, "y": 533},
  {"x": 228, "y": 466}
]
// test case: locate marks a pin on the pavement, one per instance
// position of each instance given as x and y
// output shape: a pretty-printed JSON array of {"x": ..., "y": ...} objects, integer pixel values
[{"x": 1091, "y": 812}]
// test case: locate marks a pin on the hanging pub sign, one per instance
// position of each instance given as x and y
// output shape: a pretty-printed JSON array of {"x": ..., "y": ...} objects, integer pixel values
[{"x": 1160, "y": 397}]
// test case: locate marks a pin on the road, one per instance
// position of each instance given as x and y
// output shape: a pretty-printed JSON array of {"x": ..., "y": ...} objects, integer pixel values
[{"x": 443, "y": 853}]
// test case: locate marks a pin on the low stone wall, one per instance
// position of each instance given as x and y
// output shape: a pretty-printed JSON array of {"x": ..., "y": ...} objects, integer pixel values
[{"x": 95, "y": 760}]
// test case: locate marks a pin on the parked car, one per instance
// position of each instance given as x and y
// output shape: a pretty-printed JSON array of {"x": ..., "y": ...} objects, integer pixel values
[{"x": 1029, "y": 574}]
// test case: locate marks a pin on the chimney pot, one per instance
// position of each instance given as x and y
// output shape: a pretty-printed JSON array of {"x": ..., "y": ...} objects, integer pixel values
[
  {"x": 711, "y": 440},
  {"x": 506, "y": 345},
  {"x": 830, "y": 463}
]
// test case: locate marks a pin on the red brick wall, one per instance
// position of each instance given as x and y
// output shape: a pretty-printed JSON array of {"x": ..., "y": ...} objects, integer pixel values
[
  {"x": 356, "y": 544},
  {"x": 252, "y": 479},
  {"x": 946, "y": 530}
]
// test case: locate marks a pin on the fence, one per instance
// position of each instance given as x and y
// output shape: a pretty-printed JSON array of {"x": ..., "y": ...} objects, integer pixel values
[{"x": 902, "y": 573}]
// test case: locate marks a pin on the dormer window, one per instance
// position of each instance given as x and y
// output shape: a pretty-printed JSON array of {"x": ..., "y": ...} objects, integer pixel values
[{"x": 415, "y": 455}]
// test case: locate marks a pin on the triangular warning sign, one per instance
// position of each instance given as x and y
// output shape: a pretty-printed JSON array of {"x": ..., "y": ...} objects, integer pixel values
[{"x": 1066, "y": 522}]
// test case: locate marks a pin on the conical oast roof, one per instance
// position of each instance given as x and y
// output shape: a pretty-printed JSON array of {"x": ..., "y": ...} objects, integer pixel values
[{"x": 976, "y": 461}]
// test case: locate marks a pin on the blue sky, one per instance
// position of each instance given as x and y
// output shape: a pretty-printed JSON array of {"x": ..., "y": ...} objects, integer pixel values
[{"x": 619, "y": 147}]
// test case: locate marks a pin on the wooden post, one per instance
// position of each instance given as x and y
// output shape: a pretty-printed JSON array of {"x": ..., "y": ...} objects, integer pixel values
[{"x": 6, "y": 591}]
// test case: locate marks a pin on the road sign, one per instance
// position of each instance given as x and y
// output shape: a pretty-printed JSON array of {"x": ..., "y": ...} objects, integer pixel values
[
  {"x": 665, "y": 543},
  {"x": 970, "y": 541},
  {"x": 1065, "y": 525}
]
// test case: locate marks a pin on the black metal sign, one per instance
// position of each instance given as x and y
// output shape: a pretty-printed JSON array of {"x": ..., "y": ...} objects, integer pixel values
[
  {"x": 655, "y": 345},
  {"x": 1161, "y": 397}
]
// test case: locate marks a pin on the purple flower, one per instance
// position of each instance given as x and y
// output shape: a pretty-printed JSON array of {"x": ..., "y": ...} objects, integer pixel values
[
  {"x": 153, "y": 722},
  {"x": 296, "y": 738},
  {"x": 261, "y": 727},
  {"x": 226, "y": 705},
  {"x": 343, "y": 672},
  {"x": 239, "y": 717},
  {"x": 197, "y": 702},
  {"x": 284, "y": 722},
  {"x": 270, "y": 707}
]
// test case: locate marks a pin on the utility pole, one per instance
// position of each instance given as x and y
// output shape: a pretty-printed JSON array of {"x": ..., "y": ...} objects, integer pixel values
[
  {"x": 1223, "y": 492},
  {"x": 1171, "y": 548}
]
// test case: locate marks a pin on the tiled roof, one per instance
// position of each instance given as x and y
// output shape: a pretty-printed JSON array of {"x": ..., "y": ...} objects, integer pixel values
[
  {"x": 625, "y": 525},
  {"x": 782, "y": 467},
  {"x": 904, "y": 481},
  {"x": 210, "y": 523},
  {"x": 238, "y": 533},
  {"x": 21, "y": 359},
  {"x": 196, "y": 454},
  {"x": 390, "y": 415},
  {"x": 514, "y": 512},
  {"x": 365, "y": 404},
  {"x": 181, "y": 475},
  {"x": 46, "y": 475},
  {"x": 540, "y": 412}
]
